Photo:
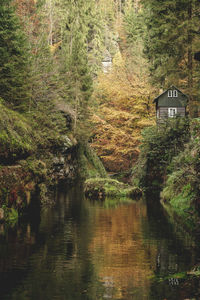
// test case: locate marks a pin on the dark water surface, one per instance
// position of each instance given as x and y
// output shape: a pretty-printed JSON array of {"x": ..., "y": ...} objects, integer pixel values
[{"x": 82, "y": 250}]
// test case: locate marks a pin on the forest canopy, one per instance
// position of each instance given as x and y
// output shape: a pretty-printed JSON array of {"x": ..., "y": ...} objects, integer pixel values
[{"x": 51, "y": 60}]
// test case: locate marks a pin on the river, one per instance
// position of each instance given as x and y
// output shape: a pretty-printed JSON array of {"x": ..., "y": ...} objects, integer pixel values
[{"x": 80, "y": 250}]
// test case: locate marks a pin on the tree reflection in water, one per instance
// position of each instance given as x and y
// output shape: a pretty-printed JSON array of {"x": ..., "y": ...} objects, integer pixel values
[{"x": 89, "y": 250}]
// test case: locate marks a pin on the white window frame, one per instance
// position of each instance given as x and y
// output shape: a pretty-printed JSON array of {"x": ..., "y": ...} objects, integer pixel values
[
  {"x": 170, "y": 93},
  {"x": 172, "y": 112},
  {"x": 175, "y": 93}
]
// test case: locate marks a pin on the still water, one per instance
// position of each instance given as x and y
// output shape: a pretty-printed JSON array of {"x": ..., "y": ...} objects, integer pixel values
[{"x": 80, "y": 250}]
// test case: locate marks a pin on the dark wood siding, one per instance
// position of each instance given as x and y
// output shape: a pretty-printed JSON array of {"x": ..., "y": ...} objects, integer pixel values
[
  {"x": 164, "y": 101},
  {"x": 163, "y": 112},
  {"x": 181, "y": 111}
]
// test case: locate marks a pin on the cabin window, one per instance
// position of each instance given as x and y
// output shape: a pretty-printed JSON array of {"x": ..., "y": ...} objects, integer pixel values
[
  {"x": 172, "y": 111},
  {"x": 170, "y": 94},
  {"x": 175, "y": 93}
]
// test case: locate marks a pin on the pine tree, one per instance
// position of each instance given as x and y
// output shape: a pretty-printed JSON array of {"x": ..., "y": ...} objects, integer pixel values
[
  {"x": 79, "y": 82},
  {"x": 165, "y": 39},
  {"x": 75, "y": 69},
  {"x": 45, "y": 84},
  {"x": 170, "y": 43},
  {"x": 14, "y": 82}
]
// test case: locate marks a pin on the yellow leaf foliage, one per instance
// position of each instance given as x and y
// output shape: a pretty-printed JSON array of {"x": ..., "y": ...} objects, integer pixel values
[
  {"x": 124, "y": 109},
  {"x": 114, "y": 246}
]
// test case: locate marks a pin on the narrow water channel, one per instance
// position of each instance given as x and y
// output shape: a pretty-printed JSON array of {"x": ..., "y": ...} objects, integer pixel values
[{"x": 82, "y": 250}]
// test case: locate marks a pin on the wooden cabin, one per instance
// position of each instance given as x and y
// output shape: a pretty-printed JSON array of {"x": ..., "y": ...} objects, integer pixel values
[{"x": 171, "y": 103}]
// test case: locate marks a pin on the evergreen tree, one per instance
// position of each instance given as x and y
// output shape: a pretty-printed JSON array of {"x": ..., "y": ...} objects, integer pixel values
[
  {"x": 170, "y": 43},
  {"x": 166, "y": 39},
  {"x": 75, "y": 69},
  {"x": 46, "y": 85},
  {"x": 14, "y": 82}
]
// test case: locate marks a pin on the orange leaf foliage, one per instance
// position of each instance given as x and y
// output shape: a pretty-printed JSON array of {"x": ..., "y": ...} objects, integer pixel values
[
  {"x": 114, "y": 246},
  {"x": 124, "y": 109}
]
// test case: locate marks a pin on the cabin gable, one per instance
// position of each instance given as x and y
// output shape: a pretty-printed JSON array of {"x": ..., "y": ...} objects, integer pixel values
[{"x": 165, "y": 101}]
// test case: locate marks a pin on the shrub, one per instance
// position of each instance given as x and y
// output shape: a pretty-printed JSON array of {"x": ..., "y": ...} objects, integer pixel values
[{"x": 159, "y": 145}]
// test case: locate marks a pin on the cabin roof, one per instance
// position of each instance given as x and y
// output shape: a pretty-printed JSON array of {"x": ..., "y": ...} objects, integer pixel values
[{"x": 172, "y": 87}]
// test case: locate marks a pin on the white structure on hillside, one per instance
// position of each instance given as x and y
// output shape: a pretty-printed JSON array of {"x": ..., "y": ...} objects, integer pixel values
[{"x": 107, "y": 62}]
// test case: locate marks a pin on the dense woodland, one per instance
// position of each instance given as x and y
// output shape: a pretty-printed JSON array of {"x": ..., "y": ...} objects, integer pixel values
[
  {"x": 77, "y": 84},
  {"x": 53, "y": 85},
  {"x": 51, "y": 61}
]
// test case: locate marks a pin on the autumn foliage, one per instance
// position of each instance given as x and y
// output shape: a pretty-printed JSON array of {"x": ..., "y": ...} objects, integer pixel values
[{"x": 124, "y": 109}]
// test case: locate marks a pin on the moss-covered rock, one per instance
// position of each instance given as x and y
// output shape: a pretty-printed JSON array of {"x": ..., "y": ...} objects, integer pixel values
[
  {"x": 16, "y": 184},
  {"x": 99, "y": 188},
  {"x": 90, "y": 165}
]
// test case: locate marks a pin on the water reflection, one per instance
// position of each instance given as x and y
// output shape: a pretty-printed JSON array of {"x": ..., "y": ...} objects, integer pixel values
[
  {"x": 84, "y": 250},
  {"x": 117, "y": 248}
]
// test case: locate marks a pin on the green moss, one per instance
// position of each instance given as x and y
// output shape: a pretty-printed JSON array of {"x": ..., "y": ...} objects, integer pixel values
[
  {"x": 181, "y": 204},
  {"x": 15, "y": 134},
  {"x": 181, "y": 201},
  {"x": 110, "y": 188},
  {"x": 36, "y": 166},
  {"x": 90, "y": 165},
  {"x": 28, "y": 143},
  {"x": 169, "y": 160},
  {"x": 159, "y": 145},
  {"x": 10, "y": 214},
  {"x": 182, "y": 187},
  {"x": 95, "y": 161},
  {"x": 24, "y": 134}
]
